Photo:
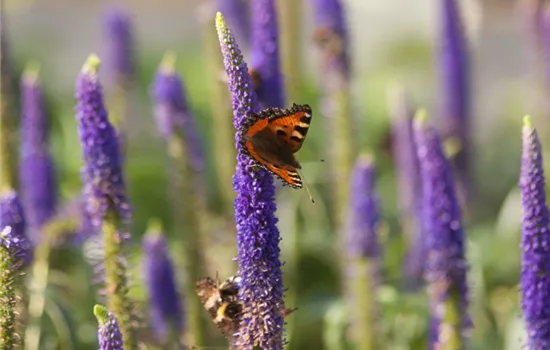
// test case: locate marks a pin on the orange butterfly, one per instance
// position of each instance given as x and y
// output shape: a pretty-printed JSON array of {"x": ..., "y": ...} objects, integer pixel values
[{"x": 272, "y": 136}]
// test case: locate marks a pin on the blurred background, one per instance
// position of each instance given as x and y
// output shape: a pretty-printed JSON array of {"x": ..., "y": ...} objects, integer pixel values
[{"x": 390, "y": 41}]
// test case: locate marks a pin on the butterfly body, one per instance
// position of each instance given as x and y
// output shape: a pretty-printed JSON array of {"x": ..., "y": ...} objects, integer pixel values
[{"x": 271, "y": 138}]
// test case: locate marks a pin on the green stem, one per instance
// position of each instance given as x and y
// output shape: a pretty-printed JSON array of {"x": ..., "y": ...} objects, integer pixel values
[
  {"x": 116, "y": 280},
  {"x": 450, "y": 328},
  {"x": 37, "y": 298},
  {"x": 365, "y": 294},
  {"x": 290, "y": 18},
  {"x": 344, "y": 151},
  {"x": 188, "y": 209},
  {"x": 6, "y": 173},
  {"x": 224, "y": 142},
  {"x": 8, "y": 301}
]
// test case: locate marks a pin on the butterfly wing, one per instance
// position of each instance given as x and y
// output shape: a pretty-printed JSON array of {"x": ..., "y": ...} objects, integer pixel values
[
  {"x": 273, "y": 136},
  {"x": 291, "y": 125}
]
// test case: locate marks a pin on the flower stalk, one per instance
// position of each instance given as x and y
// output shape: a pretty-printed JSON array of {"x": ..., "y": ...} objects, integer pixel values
[
  {"x": 455, "y": 110},
  {"x": 409, "y": 183},
  {"x": 261, "y": 292},
  {"x": 535, "y": 238},
  {"x": 37, "y": 175},
  {"x": 15, "y": 252},
  {"x": 363, "y": 250},
  {"x": 446, "y": 266},
  {"x": 165, "y": 311},
  {"x": 176, "y": 124},
  {"x": 105, "y": 193}
]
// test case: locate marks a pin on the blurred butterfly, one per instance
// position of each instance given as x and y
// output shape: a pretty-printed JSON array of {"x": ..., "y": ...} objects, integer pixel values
[
  {"x": 221, "y": 300},
  {"x": 272, "y": 136}
]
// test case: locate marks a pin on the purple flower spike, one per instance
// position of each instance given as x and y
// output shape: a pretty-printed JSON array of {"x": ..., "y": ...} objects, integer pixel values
[
  {"x": 12, "y": 215},
  {"x": 120, "y": 45},
  {"x": 108, "y": 333},
  {"x": 172, "y": 112},
  {"x": 535, "y": 242},
  {"x": 454, "y": 84},
  {"x": 237, "y": 14},
  {"x": 331, "y": 35},
  {"x": 164, "y": 301},
  {"x": 364, "y": 215},
  {"x": 36, "y": 168},
  {"x": 102, "y": 174},
  {"x": 446, "y": 266},
  {"x": 261, "y": 323},
  {"x": 265, "y": 54},
  {"x": 409, "y": 182}
]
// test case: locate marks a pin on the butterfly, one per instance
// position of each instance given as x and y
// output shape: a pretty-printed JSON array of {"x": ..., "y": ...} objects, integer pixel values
[
  {"x": 221, "y": 300},
  {"x": 272, "y": 136}
]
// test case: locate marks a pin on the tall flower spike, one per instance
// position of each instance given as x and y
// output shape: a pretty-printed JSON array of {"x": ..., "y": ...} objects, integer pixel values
[
  {"x": 264, "y": 62},
  {"x": 454, "y": 87},
  {"x": 176, "y": 124},
  {"x": 409, "y": 182},
  {"x": 108, "y": 333},
  {"x": 535, "y": 241},
  {"x": 172, "y": 112},
  {"x": 446, "y": 265},
  {"x": 363, "y": 250},
  {"x": 261, "y": 323},
  {"x": 364, "y": 214},
  {"x": 15, "y": 253},
  {"x": 36, "y": 165},
  {"x": 102, "y": 173},
  {"x": 164, "y": 301},
  {"x": 120, "y": 45},
  {"x": 105, "y": 192}
]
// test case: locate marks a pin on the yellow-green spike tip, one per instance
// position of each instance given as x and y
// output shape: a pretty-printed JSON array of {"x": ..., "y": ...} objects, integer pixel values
[
  {"x": 421, "y": 116},
  {"x": 31, "y": 72},
  {"x": 527, "y": 121},
  {"x": 101, "y": 313},
  {"x": 168, "y": 63},
  {"x": 154, "y": 227},
  {"x": 220, "y": 21},
  {"x": 92, "y": 64},
  {"x": 366, "y": 157}
]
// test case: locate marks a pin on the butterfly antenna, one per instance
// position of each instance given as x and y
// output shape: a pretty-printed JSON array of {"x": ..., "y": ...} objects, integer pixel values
[{"x": 305, "y": 186}]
